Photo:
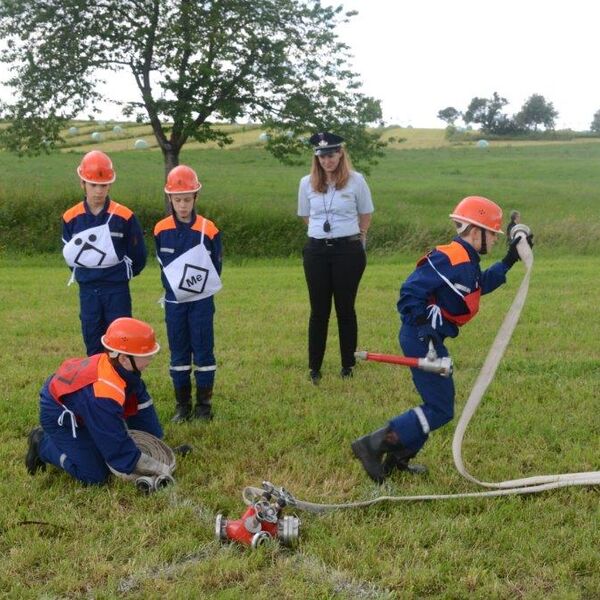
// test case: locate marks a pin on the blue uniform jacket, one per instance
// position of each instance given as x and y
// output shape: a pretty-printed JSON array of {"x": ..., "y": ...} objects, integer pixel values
[
  {"x": 172, "y": 238},
  {"x": 425, "y": 284},
  {"x": 104, "y": 418},
  {"x": 126, "y": 234}
]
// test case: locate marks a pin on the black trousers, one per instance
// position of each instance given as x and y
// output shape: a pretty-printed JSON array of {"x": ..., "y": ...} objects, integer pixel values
[{"x": 333, "y": 271}]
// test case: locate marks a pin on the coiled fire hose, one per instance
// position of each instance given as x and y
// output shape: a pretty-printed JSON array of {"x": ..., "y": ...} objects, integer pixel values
[
  {"x": 157, "y": 449},
  {"x": 526, "y": 485}
]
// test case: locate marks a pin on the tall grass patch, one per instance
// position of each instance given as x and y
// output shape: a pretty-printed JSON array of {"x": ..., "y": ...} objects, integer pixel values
[{"x": 253, "y": 198}]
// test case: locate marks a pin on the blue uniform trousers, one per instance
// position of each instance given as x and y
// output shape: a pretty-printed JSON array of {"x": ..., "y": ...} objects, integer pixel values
[
  {"x": 191, "y": 335},
  {"x": 413, "y": 426},
  {"x": 99, "y": 307},
  {"x": 79, "y": 456}
]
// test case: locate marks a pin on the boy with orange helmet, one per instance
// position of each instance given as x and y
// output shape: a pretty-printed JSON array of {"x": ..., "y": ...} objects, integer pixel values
[
  {"x": 104, "y": 246},
  {"x": 88, "y": 404},
  {"x": 437, "y": 298},
  {"x": 188, "y": 248}
]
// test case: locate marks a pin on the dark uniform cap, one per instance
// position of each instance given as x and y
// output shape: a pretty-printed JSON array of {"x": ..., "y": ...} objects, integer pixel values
[{"x": 326, "y": 143}]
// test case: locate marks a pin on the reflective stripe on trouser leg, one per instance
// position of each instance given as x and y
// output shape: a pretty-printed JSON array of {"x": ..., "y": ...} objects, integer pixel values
[
  {"x": 180, "y": 375},
  {"x": 178, "y": 334},
  {"x": 205, "y": 376},
  {"x": 422, "y": 420},
  {"x": 202, "y": 341},
  {"x": 436, "y": 392}
]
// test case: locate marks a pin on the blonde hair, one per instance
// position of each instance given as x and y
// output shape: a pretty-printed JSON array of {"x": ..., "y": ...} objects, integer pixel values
[{"x": 318, "y": 177}]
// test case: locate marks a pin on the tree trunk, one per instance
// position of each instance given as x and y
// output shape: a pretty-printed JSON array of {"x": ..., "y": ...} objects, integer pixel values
[{"x": 171, "y": 157}]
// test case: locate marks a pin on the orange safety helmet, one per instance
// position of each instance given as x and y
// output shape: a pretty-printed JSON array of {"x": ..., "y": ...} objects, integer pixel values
[
  {"x": 96, "y": 167},
  {"x": 130, "y": 336},
  {"x": 182, "y": 180},
  {"x": 477, "y": 210}
]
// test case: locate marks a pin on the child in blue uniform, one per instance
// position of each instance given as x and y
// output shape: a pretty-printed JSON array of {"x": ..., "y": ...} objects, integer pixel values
[
  {"x": 104, "y": 246},
  {"x": 87, "y": 405},
  {"x": 439, "y": 296},
  {"x": 188, "y": 248}
]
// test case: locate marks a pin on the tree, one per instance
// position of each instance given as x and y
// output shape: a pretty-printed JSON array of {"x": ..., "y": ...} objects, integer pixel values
[
  {"x": 449, "y": 115},
  {"x": 486, "y": 112},
  {"x": 595, "y": 126},
  {"x": 195, "y": 63},
  {"x": 536, "y": 111}
]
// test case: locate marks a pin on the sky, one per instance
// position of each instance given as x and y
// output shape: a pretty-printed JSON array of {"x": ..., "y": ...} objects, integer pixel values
[{"x": 420, "y": 56}]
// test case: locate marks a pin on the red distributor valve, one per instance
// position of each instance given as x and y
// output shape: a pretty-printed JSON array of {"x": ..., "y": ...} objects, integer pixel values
[{"x": 262, "y": 521}]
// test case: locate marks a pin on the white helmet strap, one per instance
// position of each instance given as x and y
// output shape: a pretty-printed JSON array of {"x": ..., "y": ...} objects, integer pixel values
[{"x": 461, "y": 226}]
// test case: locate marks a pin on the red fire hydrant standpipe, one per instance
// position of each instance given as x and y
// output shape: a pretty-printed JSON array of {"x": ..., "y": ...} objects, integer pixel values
[{"x": 262, "y": 521}]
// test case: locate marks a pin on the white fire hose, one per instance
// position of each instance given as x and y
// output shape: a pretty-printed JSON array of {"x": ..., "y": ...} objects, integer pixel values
[
  {"x": 156, "y": 449},
  {"x": 526, "y": 485}
]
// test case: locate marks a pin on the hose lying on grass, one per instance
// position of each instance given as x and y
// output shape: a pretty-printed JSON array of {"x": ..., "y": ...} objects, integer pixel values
[{"x": 527, "y": 485}]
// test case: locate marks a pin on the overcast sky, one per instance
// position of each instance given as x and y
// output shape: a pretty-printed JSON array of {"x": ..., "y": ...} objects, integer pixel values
[{"x": 419, "y": 56}]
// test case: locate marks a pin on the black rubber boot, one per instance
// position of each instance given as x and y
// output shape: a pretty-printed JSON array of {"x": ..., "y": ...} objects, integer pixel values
[
  {"x": 346, "y": 372},
  {"x": 33, "y": 462},
  {"x": 399, "y": 459},
  {"x": 183, "y": 449},
  {"x": 183, "y": 407},
  {"x": 369, "y": 449},
  {"x": 203, "y": 408},
  {"x": 315, "y": 376}
]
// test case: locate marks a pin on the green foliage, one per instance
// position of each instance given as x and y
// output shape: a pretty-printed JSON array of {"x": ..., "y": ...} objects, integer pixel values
[
  {"x": 253, "y": 198},
  {"x": 194, "y": 62},
  {"x": 486, "y": 112},
  {"x": 449, "y": 115},
  {"x": 63, "y": 540},
  {"x": 595, "y": 126},
  {"x": 535, "y": 112}
]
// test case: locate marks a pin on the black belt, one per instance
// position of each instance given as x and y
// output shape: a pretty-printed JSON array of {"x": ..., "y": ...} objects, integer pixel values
[{"x": 334, "y": 241}]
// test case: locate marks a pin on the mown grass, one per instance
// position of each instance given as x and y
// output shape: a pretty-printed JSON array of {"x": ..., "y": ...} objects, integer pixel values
[
  {"x": 540, "y": 416},
  {"x": 252, "y": 197}
]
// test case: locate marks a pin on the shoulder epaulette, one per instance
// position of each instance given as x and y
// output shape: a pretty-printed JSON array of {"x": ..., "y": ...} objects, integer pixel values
[
  {"x": 210, "y": 229},
  {"x": 456, "y": 253},
  {"x": 164, "y": 225},
  {"x": 119, "y": 210},
  {"x": 109, "y": 384},
  {"x": 73, "y": 212}
]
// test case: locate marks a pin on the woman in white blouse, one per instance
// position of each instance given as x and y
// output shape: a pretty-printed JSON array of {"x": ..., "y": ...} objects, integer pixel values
[{"x": 335, "y": 202}]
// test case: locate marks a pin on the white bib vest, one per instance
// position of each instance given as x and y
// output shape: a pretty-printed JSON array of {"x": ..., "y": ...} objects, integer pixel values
[
  {"x": 192, "y": 276},
  {"x": 93, "y": 248}
]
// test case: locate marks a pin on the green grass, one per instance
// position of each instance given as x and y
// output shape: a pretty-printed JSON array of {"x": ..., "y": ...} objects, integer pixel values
[
  {"x": 540, "y": 416},
  {"x": 252, "y": 197}
]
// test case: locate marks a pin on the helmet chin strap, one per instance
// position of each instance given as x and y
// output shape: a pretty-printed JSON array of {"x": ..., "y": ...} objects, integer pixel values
[
  {"x": 483, "y": 249},
  {"x": 132, "y": 361}
]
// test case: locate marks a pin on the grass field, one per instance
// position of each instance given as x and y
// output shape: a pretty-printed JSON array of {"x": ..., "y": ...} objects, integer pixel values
[{"x": 539, "y": 417}]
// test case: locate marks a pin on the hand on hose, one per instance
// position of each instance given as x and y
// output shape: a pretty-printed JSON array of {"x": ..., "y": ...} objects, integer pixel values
[
  {"x": 512, "y": 256},
  {"x": 426, "y": 332},
  {"x": 146, "y": 465}
]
